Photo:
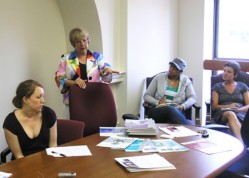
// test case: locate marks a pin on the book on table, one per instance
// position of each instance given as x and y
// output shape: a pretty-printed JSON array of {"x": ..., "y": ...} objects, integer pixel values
[
  {"x": 152, "y": 162},
  {"x": 140, "y": 127},
  {"x": 117, "y": 142}
]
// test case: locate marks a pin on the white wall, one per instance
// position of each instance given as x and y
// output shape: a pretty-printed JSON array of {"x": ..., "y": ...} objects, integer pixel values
[
  {"x": 151, "y": 43},
  {"x": 32, "y": 39},
  {"x": 190, "y": 40}
]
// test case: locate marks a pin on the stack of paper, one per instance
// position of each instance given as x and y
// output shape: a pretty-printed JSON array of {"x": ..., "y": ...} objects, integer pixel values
[
  {"x": 151, "y": 162},
  {"x": 140, "y": 127},
  {"x": 117, "y": 142}
]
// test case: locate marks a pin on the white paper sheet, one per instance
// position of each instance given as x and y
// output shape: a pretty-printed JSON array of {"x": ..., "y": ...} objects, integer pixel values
[{"x": 68, "y": 151}]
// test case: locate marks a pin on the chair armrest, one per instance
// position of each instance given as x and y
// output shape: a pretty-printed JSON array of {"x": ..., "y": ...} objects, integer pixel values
[
  {"x": 197, "y": 117},
  {"x": 130, "y": 116},
  {"x": 4, "y": 154}
]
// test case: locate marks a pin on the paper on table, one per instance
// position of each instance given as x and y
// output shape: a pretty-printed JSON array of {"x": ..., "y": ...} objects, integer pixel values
[
  {"x": 178, "y": 131},
  {"x": 68, "y": 151},
  {"x": 5, "y": 174},
  {"x": 151, "y": 162},
  {"x": 206, "y": 146}
]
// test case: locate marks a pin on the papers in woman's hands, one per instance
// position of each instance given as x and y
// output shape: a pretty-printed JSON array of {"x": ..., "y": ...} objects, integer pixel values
[
  {"x": 166, "y": 104},
  {"x": 178, "y": 131},
  {"x": 229, "y": 109},
  {"x": 151, "y": 162},
  {"x": 68, "y": 151}
]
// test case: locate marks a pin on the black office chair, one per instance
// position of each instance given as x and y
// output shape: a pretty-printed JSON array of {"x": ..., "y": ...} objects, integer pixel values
[
  {"x": 218, "y": 65},
  {"x": 242, "y": 77},
  {"x": 188, "y": 112}
]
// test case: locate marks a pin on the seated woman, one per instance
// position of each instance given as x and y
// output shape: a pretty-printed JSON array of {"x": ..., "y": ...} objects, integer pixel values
[
  {"x": 170, "y": 94},
  {"x": 230, "y": 99},
  {"x": 32, "y": 126}
]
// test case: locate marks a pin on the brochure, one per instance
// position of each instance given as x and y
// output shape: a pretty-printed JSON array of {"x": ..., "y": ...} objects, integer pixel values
[
  {"x": 111, "y": 131},
  {"x": 206, "y": 146},
  {"x": 117, "y": 142},
  {"x": 137, "y": 145},
  {"x": 151, "y": 162},
  {"x": 178, "y": 131},
  {"x": 163, "y": 145}
]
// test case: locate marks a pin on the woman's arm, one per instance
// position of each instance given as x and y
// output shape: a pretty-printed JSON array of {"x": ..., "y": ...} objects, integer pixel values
[
  {"x": 53, "y": 135},
  {"x": 190, "y": 97},
  {"x": 13, "y": 143},
  {"x": 246, "y": 99}
]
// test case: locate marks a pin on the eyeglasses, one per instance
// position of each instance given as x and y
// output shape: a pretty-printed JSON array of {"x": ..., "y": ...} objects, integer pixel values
[
  {"x": 172, "y": 67},
  {"x": 84, "y": 41}
]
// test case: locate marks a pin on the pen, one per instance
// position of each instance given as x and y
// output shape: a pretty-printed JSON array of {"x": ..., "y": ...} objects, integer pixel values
[{"x": 59, "y": 153}]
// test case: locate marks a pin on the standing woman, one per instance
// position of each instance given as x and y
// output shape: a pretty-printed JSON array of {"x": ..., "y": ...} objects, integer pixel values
[
  {"x": 81, "y": 65},
  {"x": 169, "y": 94},
  {"x": 32, "y": 126},
  {"x": 230, "y": 94}
]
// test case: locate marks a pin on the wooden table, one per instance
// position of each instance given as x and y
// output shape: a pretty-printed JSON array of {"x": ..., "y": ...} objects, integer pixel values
[{"x": 189, "y": 164}]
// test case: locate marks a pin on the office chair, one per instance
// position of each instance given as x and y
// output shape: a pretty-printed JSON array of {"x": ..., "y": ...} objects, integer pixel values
[
  {"x": 242, "y": 77},
  {"x": 67, "y": 130},
  {"x": 188, "y": 112},
  {"x": 94, "y": 105}
]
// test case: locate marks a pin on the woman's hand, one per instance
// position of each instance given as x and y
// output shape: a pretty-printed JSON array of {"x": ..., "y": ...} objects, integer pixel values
[
  {"x": 162, "y": 100},
  {"x": 109, "y": 71},
  {"x": 81, "y": 83},
  {"x": 180, "y": 107},
  {"x": 233, "y": 105}
]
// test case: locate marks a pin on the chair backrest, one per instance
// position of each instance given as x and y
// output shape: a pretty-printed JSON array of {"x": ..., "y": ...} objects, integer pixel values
[
  {"x": 188, "y": 112},
  {"x": 94, "y": 105},
  {"x": 69, "y": 130},
  {"x": 245, "y": 130},
  {"x": 241, "y": 77}
]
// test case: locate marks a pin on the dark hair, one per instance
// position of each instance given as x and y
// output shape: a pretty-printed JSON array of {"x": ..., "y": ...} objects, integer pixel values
[
  {"x": 24, "y": 89},
  {"x": 235, "y": 65}
]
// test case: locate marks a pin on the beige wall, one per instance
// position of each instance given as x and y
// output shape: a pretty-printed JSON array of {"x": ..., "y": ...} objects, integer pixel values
[
  {"x": 32, "y": 37},
  {"x": 138, "y": 37}
]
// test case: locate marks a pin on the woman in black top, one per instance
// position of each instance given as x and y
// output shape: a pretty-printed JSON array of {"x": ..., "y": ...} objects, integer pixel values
[{"x": 32, "y": 126}]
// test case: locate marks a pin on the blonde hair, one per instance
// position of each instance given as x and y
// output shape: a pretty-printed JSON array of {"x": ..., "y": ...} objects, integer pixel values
[{"x": 77, "y": 34}]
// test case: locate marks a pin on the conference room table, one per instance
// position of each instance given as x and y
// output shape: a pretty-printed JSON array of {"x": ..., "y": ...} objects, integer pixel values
[{"x": 101, "y": 164}]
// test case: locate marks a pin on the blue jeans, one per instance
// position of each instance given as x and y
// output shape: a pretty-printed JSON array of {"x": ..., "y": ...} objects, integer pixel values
[{"x": 168, "y": 114}]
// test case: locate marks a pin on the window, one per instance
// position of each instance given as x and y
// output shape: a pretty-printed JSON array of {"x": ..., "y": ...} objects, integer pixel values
[{"x": 231, "y": 29}]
